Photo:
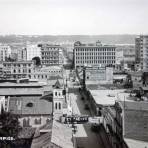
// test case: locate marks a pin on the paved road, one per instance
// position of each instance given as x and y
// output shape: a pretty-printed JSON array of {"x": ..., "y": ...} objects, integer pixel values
[{"x": 85, "y": 138}]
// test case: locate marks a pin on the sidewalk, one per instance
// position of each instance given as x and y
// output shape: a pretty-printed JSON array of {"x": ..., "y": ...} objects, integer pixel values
[{"x": 86, "y": 100}]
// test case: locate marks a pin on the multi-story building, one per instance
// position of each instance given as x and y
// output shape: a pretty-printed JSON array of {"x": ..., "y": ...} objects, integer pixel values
[
  {"x": 91, "y": 54},
  {"x": 22, "y": 54},
  {"x": 141, "y": 45},
  {"x": 45, "y": 73},
  {"x": 61, "y": 56},
  {"x": 137, "y": 49},
  {"x": 50, "y": 54},
  {"x": 95, "y": 75},
  {"x": 19, "y": 69},
  {"x": 5, "y": 52},
  {"x": 33, "y": 51},
  {"x": 125, "y": 56}
]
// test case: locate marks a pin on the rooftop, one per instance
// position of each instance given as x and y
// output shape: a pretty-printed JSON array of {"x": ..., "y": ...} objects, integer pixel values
[
  {"x": 107, "y": 97},
  {"x": 136, "y": 143},
  {"x": 21, "y": 92},
  {"x": 61, "y": 135},
  {"x": 29, "y": 84},
  {"x": 30, "y": 105}
]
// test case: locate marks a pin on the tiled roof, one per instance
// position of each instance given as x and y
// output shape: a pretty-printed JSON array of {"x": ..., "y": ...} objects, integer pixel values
[{"x": 18, "y": 105}]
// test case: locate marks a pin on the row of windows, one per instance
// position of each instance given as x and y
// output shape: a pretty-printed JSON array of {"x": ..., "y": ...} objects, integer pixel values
[
  {"x": 21, "y": 71},
  {"x": 98, "y": 53},
  {"x": 108, "y": 57},
  {"x": 95, "y": 49},
  {"x": 49, "y": 53},
  {"x": 26, "y": 122},
  {"x": 57, "y": 94},
  {"x": 40, "y": 76},
  {"x": 58, "y": 106},
  {"x": 49, "y": 49},
  {"x": 50, "y": 62},
  {"x": 95, "y": 62},
  {"x": 50, "y": 58},
  {"x": 17, "y": 65}
]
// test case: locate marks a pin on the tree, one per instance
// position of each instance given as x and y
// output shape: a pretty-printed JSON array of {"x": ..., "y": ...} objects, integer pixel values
[
  {"x": 10, "y": 125},
  {"x": 37, "y": 61}
]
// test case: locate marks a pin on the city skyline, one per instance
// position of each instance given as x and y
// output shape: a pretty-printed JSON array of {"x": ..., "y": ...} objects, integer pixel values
[{"x": 73, "y": 17}]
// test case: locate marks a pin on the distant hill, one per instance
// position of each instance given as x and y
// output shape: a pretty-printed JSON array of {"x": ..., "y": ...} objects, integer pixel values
[{"x": 107, "y": 39}]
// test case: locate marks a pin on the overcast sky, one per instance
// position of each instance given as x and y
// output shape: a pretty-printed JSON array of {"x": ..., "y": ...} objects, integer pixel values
[{"x": 72, "y": 17}]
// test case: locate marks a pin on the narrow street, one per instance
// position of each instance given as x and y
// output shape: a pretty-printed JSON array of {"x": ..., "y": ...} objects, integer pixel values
[{"x": 85, "y": 138}]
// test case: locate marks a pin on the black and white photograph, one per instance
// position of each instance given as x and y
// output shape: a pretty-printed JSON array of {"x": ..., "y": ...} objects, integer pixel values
[{"x": 73, "y": 73}]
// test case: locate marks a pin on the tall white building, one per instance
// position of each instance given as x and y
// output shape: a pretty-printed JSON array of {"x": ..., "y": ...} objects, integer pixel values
[
  {"x": 5, "y": 52},
  {"x": 93, "y": 55},
  {"x": 33, "y": 51}
]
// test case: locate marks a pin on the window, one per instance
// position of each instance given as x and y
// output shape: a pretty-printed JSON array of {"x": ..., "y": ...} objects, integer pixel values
[
  {"x": 55, "y": 93},
  {"x": 37, "y": 121},
  {"x": 60, "y": 106},
  {"x": 56, "y": 106}
]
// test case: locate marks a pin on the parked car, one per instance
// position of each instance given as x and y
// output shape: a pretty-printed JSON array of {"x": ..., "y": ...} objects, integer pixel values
[{"x": 95, "y": 128}]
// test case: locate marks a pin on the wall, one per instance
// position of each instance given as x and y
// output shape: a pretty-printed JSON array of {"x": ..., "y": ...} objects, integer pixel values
[
  {"x": 42, "y": 120},
  {"x": 136, "y": 124}
]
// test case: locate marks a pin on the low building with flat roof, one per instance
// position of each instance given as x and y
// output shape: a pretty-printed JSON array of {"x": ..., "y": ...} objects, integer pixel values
[{"x": 100, "y": 98}]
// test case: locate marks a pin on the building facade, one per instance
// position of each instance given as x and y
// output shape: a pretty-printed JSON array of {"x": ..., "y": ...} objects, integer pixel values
[
  {"x": 45, "y": 73},
  {"x": 22, "y": 54},
  {"x": 33, "y": 51},
  {"x": 95, "y": 75},
  {"x": 19, "y": 69},
  {"x": 5, "y": 52},
  {"x": 93, "y": 54},
  {"x": 125, "y": 57},
  {"x": 50, "y": 54},
  {"x": 141, "y": 47}
]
